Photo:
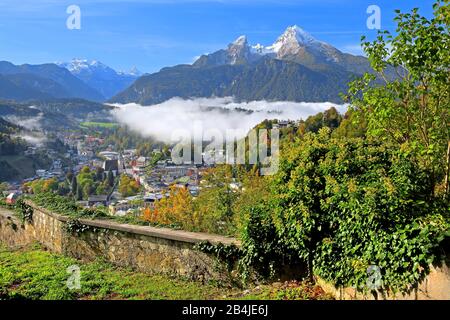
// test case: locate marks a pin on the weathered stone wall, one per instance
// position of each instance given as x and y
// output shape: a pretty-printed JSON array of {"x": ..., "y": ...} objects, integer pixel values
[
  {"x": 162, "y": 250},
  {"x": 146, "y": 249},
  {"x": 46, "y": 228},
  {"x": 436, "y": 286},
  {"x": 13, "y": 232},
  {"x": 144, "y": 253}
]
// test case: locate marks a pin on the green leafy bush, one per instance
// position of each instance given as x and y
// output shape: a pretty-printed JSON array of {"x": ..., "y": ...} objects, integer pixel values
[
  {"x": 344, "y": 205},
  {"x": 227, "y": 253},
  {"x": 65, "y": 206},
  {"x": 263, "y": 251},
  {"x": 25, "y": 210}
]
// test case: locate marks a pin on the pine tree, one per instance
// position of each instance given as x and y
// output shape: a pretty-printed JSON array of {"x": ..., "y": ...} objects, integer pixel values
[
  {"x": 110, "y": 179},
  {"x": 79, "y": 196},
  {"x": 69, "y": 176},
  {"x": 74, "y": 185}
]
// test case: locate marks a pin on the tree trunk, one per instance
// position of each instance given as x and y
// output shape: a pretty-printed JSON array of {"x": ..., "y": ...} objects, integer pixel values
[
  {"x": 310, "y": 268},
  {"x": 447, "y": 173}
]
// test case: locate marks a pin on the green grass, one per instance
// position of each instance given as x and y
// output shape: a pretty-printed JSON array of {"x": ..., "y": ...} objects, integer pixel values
[
  {"x": 107, "y": 125},
  {"x": 291, "y": 290},
  {"x": 33, "y": 273}
]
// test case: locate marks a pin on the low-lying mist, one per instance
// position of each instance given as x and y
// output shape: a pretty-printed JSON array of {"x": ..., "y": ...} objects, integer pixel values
[
  {"x": 35, "y": 138},
  {"x": 32, "y": 129},
  {"x": 160, "y": 121},
  {"x": 29, "y": 123}
]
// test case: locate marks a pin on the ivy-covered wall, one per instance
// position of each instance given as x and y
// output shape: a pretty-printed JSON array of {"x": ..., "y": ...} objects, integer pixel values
[
  {"x": 142, "y": 248},
  {"x": 164, "y": 251}
]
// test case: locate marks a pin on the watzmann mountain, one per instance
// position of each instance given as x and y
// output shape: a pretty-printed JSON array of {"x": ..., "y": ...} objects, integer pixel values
[{"x": 297, "y": 67}]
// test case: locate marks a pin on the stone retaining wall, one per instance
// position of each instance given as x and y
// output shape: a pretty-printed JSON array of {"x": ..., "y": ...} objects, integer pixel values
[
  {"x": 163, "y": 250},
  {"x": 145, "y": 249},
  {"x": 436, "y": 286}
]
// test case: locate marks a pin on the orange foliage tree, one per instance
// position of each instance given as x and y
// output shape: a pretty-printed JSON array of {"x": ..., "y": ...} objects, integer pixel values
[{"x": 175, "y": 209}]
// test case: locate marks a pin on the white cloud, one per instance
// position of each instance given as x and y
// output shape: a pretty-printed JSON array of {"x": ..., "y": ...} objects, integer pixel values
[
  {"x": 37, "y": 139},
  {"x": 162, "y": 120},
  {"x": 33, "y": 123},
  {"x": 33, "y": 133}
]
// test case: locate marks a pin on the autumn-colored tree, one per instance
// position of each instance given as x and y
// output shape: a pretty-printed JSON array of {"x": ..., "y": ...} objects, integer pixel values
[
  {"x": 150, "y": 215},
  {"x": 50, "y": 185},
  {"x": 128, "y": 186},
  {"x": 42, "y": 185},
  {"x": 175, "y": 209}
]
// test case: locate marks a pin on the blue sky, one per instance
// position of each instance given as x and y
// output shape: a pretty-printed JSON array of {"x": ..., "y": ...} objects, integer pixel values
[{"x": 151, "y": 34}]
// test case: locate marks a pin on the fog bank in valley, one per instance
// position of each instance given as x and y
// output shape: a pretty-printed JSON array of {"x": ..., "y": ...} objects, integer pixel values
[{"x": 161, "y": 120}]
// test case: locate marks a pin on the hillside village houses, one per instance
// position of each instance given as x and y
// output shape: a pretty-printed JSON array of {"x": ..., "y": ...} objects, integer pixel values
[
  {"x": 155, "y": 180},
  {"x": 12, "y": 197}
]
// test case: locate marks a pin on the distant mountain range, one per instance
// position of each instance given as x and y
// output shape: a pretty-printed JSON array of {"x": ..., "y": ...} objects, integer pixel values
[
  {"x": 107, "y": 81},
  {"x": 43, "y": 81},
  {"x": 90, "y": 80},
  {"x": 297, "y": 67}
]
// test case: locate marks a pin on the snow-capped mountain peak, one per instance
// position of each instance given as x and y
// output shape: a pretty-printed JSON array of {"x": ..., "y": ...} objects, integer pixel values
[
  {"x": 239, "y": 50},
  {"x": 295, "y": 44},
  {"x": 295, "y": 33},
  {"x": 292, "y": 38},
  {"x": 290, "y": 41},
  {"x": 240, "y": 41},
  {"x": 83, "y": 65},
  {"x": 99, "y": 76},
  {"x": 260, "y": 49},
  {"x": 133, "y": 72}
]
